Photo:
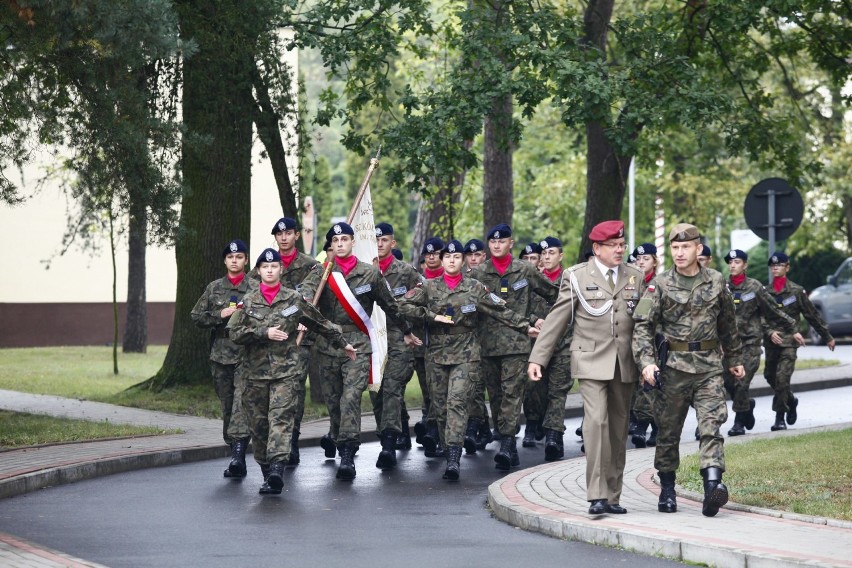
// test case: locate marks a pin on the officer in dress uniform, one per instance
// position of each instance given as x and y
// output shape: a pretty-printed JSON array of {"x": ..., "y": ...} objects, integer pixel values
[{"x": 598, "y": 297}]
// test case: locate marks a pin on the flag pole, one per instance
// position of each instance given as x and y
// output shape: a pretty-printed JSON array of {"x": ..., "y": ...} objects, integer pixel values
[{"x": 329, "y": 264}]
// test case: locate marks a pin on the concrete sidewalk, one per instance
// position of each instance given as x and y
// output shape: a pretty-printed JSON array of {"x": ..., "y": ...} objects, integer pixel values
[{"x": 547, "y": 498}]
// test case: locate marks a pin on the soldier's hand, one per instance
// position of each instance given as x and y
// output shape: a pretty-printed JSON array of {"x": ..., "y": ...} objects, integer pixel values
[
  {"x": 648, "y": 374},
  {"x": 226, "y": 313},
  {"x": 301, "y": 327},
  {"x": 350, "y": 351},
  {"x": 776, "y": 338},
  {"x": 538, "y": 323},
  {"x": 738, "y": 372},
  {"x": 412, "y": 340},
  {"x": 275, "y": 334},
  {"x": 444, "y": 319},
  {"x": 799, "y": 339},
  {"x": 831, "y": 345},
  {"x": 533, "y": 332},
  {"x": 534, "y": 372}
]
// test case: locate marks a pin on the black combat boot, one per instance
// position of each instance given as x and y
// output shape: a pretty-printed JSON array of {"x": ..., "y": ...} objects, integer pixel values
[
  {"x": 237, "y": 466},
  {"x": 403, "y": 439},
  {"x": 485, "y": 437},
  {"x": 516, "y": 459},
  {"x": 293, "y": 461},
  {"x": 638, "y": 437},
  {"x": 387, "y": 457},
  {"x": 579, "y": 430},
  {"x": 668, "y": 497},
  {"x": 274, "y": 480},
  {"x": 631, "y": 426},
  {"x": 420, "y": 430},
  {"x": 697, "y": 433},
  {"x": 540, "y": 432},
  {"x": 431, "y": 439},
  {"x": 503, "y": 458},
  {"x": 715, "y": 492},
  {"x": 346, "y": 471},
  {"x": 779, "y": 422},
  {"x": 553, "y": 446},
  {"x": 328, "y": 445},
  {"x": 748, "y": 417},
  {"x": 792, "y": 413},
  {"x": 737, "y": 429},
  {"x": 652, "y": 439},
  {"x": 453, "y": 467},
  {"x": 471, "y": 434},
  {"x": 529, "y": 433}
]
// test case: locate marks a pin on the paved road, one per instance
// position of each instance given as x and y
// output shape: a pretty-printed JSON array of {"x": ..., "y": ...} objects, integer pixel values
[{"x": 188, "y": 515}]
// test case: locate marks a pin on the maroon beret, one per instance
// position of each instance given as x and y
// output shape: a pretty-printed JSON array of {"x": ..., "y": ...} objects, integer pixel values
[{"x": 607, "y": 230}]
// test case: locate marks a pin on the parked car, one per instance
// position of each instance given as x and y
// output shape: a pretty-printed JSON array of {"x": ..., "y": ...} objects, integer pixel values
[{"x": 834, "y": 302}]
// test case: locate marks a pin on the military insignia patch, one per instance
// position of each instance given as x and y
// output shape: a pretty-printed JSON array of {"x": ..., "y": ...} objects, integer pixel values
[
  {"x": 495, "y": 298},
  {"x": 234, "y": 247},
  {"x": 269, "y": 256},
  {"x": 520, "y": 284},
  {"x": 399, "y": 291},
  {"x": 289, "y": 311},
  {"x": 338, "y": 230},
  {"x": 410, "y": 293},
  {"x": 469, "y": 308},
  {"x": 363, "y": 289}
]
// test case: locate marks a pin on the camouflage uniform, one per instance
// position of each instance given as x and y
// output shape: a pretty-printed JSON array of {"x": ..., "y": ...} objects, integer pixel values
[
  {"x": 344, "y": 380},
  {"x": 644, "y": 400},
  {"x": 558, "y": 375},
  {"x": 781, "y": 359},
  {"x": 756, "y": 312},
  {"x": 505, "y": 350},
  {"x": 454, "y": 350},
  {"x": 691, "y": 313},
  {"x": 535, "y": 398},
  {"x": 399, "y": 368},
  {"x": 225, "y": 355},
  {"x": 274, "y": 369}
]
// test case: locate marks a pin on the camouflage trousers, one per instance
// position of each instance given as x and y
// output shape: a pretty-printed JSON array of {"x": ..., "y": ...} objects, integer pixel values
[
  {"x": 226, "y": 380},
  {"x": 422, "y": 371},
  {"x": 506, "y": 380},
  {"x": 344, "y": 382},
  {"x": 780, "y": 364},
  {"x": 535, "y": 398},
  {"x": 476, "y": 405},
  {"x": 389, "y": 403},
  {"x": 451, "y": 395},
  {"x": 270, "y": 407},
  {"x": 304, "y": 363},
  {"x": 643, "y": 404},
  {"x": 738, "y": 389},
  {"x": 705, "y": 392},
  {"x": 559, "y": 378}
]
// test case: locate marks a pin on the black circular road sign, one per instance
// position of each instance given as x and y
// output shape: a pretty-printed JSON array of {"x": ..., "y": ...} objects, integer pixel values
[{"x": 777, "y": 194}]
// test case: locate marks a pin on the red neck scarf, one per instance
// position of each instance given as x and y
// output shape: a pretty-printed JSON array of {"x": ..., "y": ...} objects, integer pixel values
[
  {"x": 346, "y": 264},
  {"x": 236, "y": 281},
  {"x": 502, "y": 264},
  {"x": 269, "y": 292},
  {"x": 554, "y": 276},
  {"x": 779, "y": 283},
  {"x": 649, "y": 277},
  {"x": 452, "y": 281},
  {"x": 738, "y": 280},
  {"x": 430, "y": 274},
  {"x": 385, "y": 263},
  {"x": 288, "y": 260}
]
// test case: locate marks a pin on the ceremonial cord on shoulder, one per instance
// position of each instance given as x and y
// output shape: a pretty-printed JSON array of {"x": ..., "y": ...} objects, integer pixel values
[{"x": 597, "y": 312}]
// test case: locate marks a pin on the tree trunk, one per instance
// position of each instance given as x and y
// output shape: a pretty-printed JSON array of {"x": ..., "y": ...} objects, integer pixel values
[
  {"x": 498, "y": 204},
  {"x": 216, "y": 165},
  {"x": 136, "y": 325}
]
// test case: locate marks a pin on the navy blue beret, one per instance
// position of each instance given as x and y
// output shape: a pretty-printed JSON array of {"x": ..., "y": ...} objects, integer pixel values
[
  {"x": 284, "y": 224},
  {"x": 235, "y": 246},
  {"x": 550, "y": 242},
  {"x": 778, "y": 258},
  {"x": 736, "y": 253},
  {"x": 501, "y": 231},
  {"x": 340, "y": 229},
  {"x": 453, "y": 246},
  {"x": 646, "y": 248},
  {"x": 268, "y": 255},
  {"x": 397, "y": 254},
  {"x": 474, "y": 245},
  {"x": 532, "y": 248},
  {"x": 433, "y": 244},
  {"x": 384, "y": 229},
  {"x": 705, "y": 251}
]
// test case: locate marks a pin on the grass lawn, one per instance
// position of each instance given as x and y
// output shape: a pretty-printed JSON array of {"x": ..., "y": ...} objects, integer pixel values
[
  {"x": 20, "y": 429},
  {"x": 86, "y": 373},
  {"x": 808, "y": 474}
]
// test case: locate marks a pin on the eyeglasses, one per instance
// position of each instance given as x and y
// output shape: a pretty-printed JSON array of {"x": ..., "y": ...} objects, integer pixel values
[{"x": 615, "y": 246}]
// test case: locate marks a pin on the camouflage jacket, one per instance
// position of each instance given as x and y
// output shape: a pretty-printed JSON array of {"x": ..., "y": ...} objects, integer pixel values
[
  {"x": 401, "y": 278},
  {"x": 684, "y": 311},
  {"x": 757, "y": 312},
  {"x": 794, "y": 301},
  {"x": 369, "y": 288},
  {"x": 457, "y": 343},
  {"x": 219, "y": 295},
  {"x": 267, "y": 360},
  {"x": 293, "y": 275},
  {"x": 517, "y": 287}
]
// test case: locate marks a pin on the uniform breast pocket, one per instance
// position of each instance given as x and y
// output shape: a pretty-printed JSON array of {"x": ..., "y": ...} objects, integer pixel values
[
  {"x": 676, "y": 305},
  {"x": 258, "y": 314}
]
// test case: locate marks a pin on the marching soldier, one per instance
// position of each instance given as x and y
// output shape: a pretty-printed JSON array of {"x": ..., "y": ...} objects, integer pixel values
[
  {"x": 756, "y": 311},
  {"x": 643, "y": 399},
  {"x": 505, "y": 350},
  {"x": 451, "y": 305},
  {"x": 353, "y": 288},
  {"x": 393, "y": 416},
  {"x": 780, "y": 348},
  {"x": 598, "y": 296},
  {"x": 267, "y": 326},
  {"x": 691, "y": 308},
  {"x": 426, "y": 430},
  {"x": 219, "y": 301},
  {"x": 532, "y": 254},
  {"x": 705, "y": 257},
  {"x": 535, "y": 398}
]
